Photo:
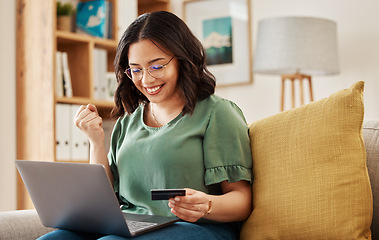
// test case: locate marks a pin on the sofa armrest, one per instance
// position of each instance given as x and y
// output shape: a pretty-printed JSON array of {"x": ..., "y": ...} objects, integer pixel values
[
  {"x": 371, "y": 138},
  {"x": 22, "y": 224}
]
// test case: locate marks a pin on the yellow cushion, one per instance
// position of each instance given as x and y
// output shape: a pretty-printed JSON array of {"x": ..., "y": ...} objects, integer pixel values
[{"x": 310, "y": 174}]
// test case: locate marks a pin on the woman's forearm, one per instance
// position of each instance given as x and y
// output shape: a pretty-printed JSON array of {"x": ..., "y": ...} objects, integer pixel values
[
  {"x": 234, "y": 205},
  {"x": 88, "y": 120},
  {"x": 98, "y": 155}
]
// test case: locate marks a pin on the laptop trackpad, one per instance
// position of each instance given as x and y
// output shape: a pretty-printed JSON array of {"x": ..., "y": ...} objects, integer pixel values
[{"x": 139, "y": 223}]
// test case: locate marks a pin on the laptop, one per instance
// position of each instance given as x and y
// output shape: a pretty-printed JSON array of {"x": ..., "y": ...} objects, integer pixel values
[{"x": 79, "y": 197}]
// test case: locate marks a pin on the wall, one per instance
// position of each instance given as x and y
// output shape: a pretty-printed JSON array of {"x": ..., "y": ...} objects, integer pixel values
[
  {"x": 358, "y": 51},
  {"x": 8, "y": 106}
]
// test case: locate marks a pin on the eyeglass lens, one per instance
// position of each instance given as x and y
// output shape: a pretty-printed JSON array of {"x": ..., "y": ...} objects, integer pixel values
[{"x": 155, "y": 71}]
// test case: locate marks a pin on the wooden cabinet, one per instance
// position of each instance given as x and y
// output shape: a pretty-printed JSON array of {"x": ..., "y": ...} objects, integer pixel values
[
  {"x": 37, "y": 42},
  {"x": 80, "y": 49}
]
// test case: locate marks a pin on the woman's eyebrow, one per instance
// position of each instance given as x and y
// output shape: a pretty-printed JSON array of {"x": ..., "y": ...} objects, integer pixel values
[{"x": 149, "y": 62}]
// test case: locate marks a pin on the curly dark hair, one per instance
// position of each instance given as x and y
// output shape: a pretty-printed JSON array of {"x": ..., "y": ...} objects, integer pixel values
[{"x": 167, "y": 30}]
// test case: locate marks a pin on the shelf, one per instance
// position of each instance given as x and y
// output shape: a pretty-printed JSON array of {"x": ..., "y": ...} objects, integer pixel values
[
  {"x": 70, "y": 36},
  {"x": 151, "y": 6},
  {"x": 73, "y": 161},
  {"x": 155, "y": 2},
  {"x": 85, "y": 101},
  {"x": 64, "y": 37}
]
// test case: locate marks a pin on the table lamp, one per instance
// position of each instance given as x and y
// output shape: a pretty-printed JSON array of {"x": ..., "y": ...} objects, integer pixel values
[{"x": 296, "y": 48}]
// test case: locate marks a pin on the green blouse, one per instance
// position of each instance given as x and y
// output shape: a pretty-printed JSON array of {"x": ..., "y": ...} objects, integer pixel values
[{"x": 195, "y": 151}]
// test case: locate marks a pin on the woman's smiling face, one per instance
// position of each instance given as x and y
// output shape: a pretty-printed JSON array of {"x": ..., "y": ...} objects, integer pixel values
[{"x": 144, "y": 54}]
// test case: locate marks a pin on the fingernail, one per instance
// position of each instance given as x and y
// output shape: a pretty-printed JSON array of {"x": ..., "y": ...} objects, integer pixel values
[
  {"x": 171, "y": 201},
  {"x": 177, "y": 199}
]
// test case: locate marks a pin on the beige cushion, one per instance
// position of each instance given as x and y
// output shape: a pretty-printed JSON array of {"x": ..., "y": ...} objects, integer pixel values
[
  {"x": 310, "y": 174},
  {"x": 21, "y": 225}
]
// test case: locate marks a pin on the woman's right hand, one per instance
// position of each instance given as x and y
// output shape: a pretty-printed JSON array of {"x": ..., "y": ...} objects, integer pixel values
[{"x": 89, "y": 121}]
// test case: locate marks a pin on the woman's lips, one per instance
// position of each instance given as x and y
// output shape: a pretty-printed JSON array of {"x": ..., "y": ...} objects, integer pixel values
[{"x": 153, "y": 90}]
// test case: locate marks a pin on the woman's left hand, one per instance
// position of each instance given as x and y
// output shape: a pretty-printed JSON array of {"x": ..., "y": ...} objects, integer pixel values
[{"x": 191, "y": 207}]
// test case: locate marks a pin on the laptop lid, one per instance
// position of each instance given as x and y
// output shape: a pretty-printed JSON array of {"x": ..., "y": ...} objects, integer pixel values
[{"x": 77, "y": 197}]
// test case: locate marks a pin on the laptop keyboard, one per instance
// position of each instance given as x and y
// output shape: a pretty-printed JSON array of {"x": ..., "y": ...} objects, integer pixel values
[{"x": 135, "y": 226}]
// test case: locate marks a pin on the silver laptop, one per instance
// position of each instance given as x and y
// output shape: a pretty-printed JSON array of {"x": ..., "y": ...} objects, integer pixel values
[{"x": 79, "y": 197}]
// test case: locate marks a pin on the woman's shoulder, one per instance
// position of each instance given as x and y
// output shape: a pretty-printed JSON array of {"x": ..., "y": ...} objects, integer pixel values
[
  {"x": 215, "y": 107},
  {"x": 212, "y": 100},
  {"x": 215, "y": 102},
  {"x": 129, "y": 118}
]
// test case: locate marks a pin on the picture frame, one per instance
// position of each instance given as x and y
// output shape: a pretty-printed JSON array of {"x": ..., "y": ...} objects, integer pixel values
[{"x": 224, "y": 28}]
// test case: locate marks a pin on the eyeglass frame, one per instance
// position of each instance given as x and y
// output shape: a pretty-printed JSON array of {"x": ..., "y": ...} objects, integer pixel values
[{"x": 147, "y": 70}]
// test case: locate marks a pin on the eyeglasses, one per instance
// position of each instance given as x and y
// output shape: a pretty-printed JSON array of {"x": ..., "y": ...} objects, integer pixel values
[{"x": 156, "y": 71}]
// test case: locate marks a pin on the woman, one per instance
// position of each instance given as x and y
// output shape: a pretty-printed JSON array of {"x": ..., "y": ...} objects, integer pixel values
[{"x": 171, "y": 132}]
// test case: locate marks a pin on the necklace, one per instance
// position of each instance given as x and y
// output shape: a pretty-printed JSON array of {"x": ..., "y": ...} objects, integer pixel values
[{"x": 152, "y": 114}]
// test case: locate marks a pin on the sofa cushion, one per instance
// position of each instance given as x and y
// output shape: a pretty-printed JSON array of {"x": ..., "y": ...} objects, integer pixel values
[
  {"x": 371, "y": 138},
  {"x": 21, "y": 225},
  {"x": 310, "y": 174}
]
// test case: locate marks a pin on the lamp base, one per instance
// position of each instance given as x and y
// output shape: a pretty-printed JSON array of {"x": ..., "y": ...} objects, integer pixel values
[{"x": 293, "y": 78}]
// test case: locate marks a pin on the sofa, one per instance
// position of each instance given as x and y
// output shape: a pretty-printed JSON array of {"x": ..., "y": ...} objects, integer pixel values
[
  {"x": 25, "y": 224},
  {"x": 316, "y": 175}
]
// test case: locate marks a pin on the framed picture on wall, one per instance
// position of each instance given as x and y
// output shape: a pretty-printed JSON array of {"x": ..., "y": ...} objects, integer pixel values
[{"x": 224, "y": 28}]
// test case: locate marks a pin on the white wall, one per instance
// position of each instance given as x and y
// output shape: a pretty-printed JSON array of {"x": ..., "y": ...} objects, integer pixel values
[
  {"x": 358, "y": 33},
  {"x": 8, "y": 106}
]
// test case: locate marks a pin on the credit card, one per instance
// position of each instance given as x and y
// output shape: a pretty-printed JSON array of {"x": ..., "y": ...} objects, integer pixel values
[{"x": 166, "y": 194}]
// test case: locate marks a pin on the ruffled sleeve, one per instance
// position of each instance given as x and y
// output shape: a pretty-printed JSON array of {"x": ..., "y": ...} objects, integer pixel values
[{"x": 227, "y": 153}]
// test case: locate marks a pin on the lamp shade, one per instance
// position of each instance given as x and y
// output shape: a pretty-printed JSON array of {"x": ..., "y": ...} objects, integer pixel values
[{"x": 287, "y": 45}]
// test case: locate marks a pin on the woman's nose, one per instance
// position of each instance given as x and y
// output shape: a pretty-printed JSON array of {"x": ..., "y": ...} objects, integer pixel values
[{"x": 146, "y": 77}]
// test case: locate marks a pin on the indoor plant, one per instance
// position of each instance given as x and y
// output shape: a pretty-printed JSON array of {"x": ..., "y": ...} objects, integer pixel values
[{"x": 64, "y": 12}]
